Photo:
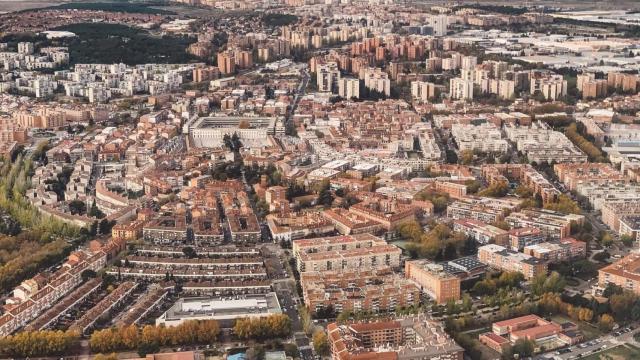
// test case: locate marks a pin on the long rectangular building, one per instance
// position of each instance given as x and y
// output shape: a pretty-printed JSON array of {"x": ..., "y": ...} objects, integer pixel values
[
  {"x": 251, "y": 131},
  {"x": 558, "y": 250},
  {"x": 501, "y": 258},
  {"x": 624, "y": 273},
  {"x": 362, "y": 251},
  {"x": 553, "y": 224},
  {"x": 356, "y": 291}
]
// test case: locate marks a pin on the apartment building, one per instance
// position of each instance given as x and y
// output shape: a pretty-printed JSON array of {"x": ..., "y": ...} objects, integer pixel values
[
  {"x": 599, "y": 194},
  {"x": 287, "y": 227},
  {"x": 226, "y": 62},
  {"x": 553, "y": 224},
  {"x": 349, "y": 88},
  {"x": 461, "y": 89},
  {"x": 614, "y": 211},
  {"x": 361, "y": 251},
  {"x": 432, "y": 279},
  {"x": 485, "y": 137},
  {"x": 521, "y": 237},
  {"x": 499, "y": 257},
  {"x": 424, "y": 91},
  {"x": 630, "y": 226},
  {"x": 542, "y": 144},
  {"x": 377, "y": 80},
  {"x": 624, "y": 273},
  {"x": 524, "y": 174},
  {"x": 487, "y": 210},
  {"x": 410, "y": 338},
  {"x": 348, "y": 223},
  {"x": 202, "y": 74},
  {"x": 551, "y": 87},
  {"x": 130, "y": 231},
  {"x": 358, "y": 290},
  {"x": 389, "y": 213},
  {"x": 573, "y": 175},
  {"x": 166, "y": 230},
  {"x": 481, "y": 232},
  {"x": 328, "y": 77},
  {"x": 558, "y": 250},
  {"x": 628, "y": 83}
]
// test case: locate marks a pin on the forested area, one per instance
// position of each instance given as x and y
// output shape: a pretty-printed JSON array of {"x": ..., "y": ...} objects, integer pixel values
[{"x": 113, "y": 43}]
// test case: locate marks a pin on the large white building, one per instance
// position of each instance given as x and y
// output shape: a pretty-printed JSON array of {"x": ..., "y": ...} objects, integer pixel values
[
  {"x": 552, "y": 87},
  {"x": 328, "y": 76},
  {"x": 252, "y": 131},
  {"x": 349, "y": 88},
  {"x": 224, "y": 310},
  {"x": 439, "y": 24},
  {"x": 422, "y": 90},
  {"x": 485, "y": 137},
  {"x": 461, "y": 89}
]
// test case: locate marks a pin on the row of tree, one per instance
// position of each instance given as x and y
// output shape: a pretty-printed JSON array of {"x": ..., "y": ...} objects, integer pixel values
[
  {"x": 262, "y": 328},
  {"x": 27, "y": 344},
  {"x": 585, "y": 145},
  {"x": 152, "y": 337}
]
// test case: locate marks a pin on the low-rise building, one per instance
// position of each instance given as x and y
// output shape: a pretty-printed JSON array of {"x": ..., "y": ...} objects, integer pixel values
[
  {"x": 521, "y": 237},
  {"x": 533, "y": 328},
  {"x": 499, "y": 257},
  {"x": 481, "y": 232},
  {"x": 558, "y": 250},
  {"x": 624, "y": 273},
  {"x": 553, "y": 224}
]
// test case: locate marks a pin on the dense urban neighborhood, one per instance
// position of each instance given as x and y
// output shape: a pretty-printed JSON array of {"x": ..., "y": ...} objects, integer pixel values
[{"x": 320, "y": 179}]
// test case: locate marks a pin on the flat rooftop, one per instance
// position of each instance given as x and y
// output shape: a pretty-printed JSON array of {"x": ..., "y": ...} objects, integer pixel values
[
  {"x": 222, "y": 308},
  {"x": 212, "y": 122}
]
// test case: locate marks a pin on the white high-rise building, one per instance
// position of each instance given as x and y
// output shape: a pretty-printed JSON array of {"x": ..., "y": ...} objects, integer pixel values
[
  {"x": 551, "y": 87},
  {"x": 349, "y": 88},
  {"x": 439, "y": 24},
  {"x": 469, "y": 62},
  {"x": 328, "y": 77},
  {"x": 461, "y": 89},
  {"x": 26, "y": 48},
  {"x": 422, "y": 90}
]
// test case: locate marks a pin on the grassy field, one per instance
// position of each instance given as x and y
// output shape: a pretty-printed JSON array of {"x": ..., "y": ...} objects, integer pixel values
[
  {"x": 620, "y": 352},
  {"x": 589, "y": 331}
]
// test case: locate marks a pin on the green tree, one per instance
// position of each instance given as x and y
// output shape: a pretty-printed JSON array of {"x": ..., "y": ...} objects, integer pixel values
[
  {"x": 627, "y": 240},
  {"x": 189, "y": 252},
  {"x": 472, "y": 186},
  {"x": 466, "y": 157},
  {"x": 77, "y": 207},
  {"x": 523, "y": 347},
  {"x": 321, "y": 343},
  {"x": 497, "y": 189},
  {"x": 606, "y": 322},
  {"x": 325, "y": 197}
]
